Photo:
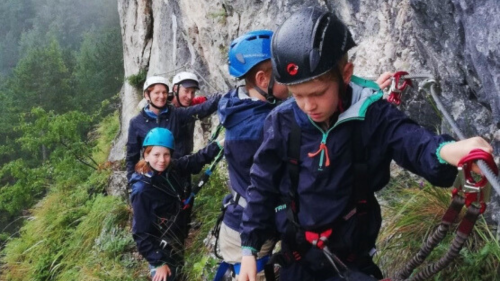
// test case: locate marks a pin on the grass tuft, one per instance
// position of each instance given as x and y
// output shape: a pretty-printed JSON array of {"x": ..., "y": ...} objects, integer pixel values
[{"x": 411, "y": 218}]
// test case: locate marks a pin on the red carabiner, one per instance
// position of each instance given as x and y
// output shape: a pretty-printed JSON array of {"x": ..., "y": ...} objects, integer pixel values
[
  {"x": 474, "y": 189},
  {"x": 397, "y": 88}
]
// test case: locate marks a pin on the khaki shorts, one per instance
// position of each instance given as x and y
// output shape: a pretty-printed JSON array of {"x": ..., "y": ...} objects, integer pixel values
[{"x": 230, "y": 247}]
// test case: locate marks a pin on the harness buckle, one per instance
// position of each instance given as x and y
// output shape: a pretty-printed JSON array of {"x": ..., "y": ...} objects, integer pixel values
[
  {"x": 163, "y": 244},
  {"x": 318, "y": 239}
]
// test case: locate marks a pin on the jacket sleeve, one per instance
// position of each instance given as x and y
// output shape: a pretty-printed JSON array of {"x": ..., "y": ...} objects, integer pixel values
[
  {"x": 412, "y": 146},
  {"x": 192, "y": 164},
  {"x": 133, "y": 149},
  {"x": 263, "y": 194},
  {"x": 143, "y": 225},
  {"x": 199, "y": 111},
  {"x": 198, "y": 100}
]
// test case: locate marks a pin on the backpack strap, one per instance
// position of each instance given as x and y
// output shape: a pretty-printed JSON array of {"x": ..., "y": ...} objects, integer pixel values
[{"x": 360, "y": 198}]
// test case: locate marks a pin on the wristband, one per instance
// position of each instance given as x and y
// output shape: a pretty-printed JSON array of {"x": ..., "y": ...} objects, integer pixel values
[
  {"x": 438, "y": 152},
  {"x": 248, "y": 251}
]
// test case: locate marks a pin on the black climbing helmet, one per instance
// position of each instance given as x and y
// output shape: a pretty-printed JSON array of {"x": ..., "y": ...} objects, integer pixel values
[{"x": 308, "y": 44}]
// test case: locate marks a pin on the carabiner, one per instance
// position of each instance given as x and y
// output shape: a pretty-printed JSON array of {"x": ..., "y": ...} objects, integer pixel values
[{"x": 398, "y": 88}]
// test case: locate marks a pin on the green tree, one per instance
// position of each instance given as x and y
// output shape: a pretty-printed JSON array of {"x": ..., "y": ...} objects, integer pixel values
[
  {"x": 25, "y": 180},
  {"x": 98, "y": 73},
  {"x": 41, "y": 78},
  {"x": 16, "y": 16}
]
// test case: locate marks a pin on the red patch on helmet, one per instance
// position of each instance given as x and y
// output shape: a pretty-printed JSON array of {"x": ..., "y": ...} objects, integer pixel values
[{"x": 292, "y": 68}]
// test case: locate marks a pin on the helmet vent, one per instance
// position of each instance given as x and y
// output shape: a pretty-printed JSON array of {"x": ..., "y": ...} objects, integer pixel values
[
  {"x": 319, "y": 38},
  {"x": 251, "y": 38},
  {"x": 320, "y": 33}
]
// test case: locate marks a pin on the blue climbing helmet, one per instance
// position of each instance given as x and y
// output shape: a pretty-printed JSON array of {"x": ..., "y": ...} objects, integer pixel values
[
  {"x": 248, "y": 50},
  {"x": 159, "y": 137}
]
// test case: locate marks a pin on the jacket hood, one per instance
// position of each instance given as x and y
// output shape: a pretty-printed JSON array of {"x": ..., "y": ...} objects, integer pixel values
[{"x": 234, "y": 110}]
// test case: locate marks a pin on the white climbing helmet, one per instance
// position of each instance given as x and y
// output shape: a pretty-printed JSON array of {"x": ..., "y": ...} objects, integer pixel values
[
  {"x": 186, "y": 79},
  {"x": 155, "y": 80}
]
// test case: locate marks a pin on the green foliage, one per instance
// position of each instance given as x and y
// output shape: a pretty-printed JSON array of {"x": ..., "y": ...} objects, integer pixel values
[
  {"x": 60, "y": 152},
  {"x": 73, "y": 234},
  {"x": 98, "y": 73},
  {"x": 15, "y": 17},
  {"x": 207, "y": 208},
  {"x": 41, "y": 78},
  {"x": 107, "y": 130},
  {"x": 411, "y": 218},
  {"x": 138, "y": 80},
  {"x": 67, "y": 20}
]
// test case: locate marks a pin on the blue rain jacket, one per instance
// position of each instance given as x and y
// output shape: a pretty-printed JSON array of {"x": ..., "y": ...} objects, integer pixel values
[
  {"x": 324, "y": 192},
  {"x": 243, "y": 119},
  {"x": 158, "y": 225},
  {"x": 174, "y": 119}
]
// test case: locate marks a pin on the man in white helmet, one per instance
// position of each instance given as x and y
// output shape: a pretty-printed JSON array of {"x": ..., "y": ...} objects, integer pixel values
[{"x": 185, "y": 85}]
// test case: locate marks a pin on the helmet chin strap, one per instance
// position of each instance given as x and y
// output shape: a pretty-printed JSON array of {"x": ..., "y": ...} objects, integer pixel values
[
  {"x": 269, "y": 95},
  {"x": 157, "y": 107},
  {"x": 176, "y": 95}
]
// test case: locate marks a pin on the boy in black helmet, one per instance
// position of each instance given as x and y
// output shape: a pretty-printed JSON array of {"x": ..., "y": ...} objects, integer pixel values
[{"x": 326, "y": 152}]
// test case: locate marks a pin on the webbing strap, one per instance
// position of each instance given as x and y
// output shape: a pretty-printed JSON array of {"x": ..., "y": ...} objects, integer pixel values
[
  {"x": 360, "y": 186},
  {"x": 261, "y": 263},
  {"x": 238, "y": 199},
  {"x": 293, "y": 171},
  {"x": 221, "y": 271}
]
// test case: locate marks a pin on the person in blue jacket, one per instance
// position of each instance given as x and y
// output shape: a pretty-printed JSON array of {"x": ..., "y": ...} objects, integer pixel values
[
  {"x": 159, "y": 220},
  {"x": 242, "y": 112},
  {"x": 161, "y": 113},
  {"x": 309, "y": 165}
]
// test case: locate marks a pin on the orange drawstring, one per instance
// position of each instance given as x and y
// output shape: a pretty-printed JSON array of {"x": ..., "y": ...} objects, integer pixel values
[{"x": 322, "y": 147}]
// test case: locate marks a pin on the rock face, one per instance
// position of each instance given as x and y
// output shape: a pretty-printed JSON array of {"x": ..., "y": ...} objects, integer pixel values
[{"x": 454, "y": 40}]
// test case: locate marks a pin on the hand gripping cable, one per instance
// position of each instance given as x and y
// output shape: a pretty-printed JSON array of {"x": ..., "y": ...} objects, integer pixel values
[{"x": 467, "y": 191}]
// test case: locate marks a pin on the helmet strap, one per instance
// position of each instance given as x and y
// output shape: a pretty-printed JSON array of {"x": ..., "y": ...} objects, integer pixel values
[
  {"x": 269, "y": 98},
  {"x": 176, "y": 94},
  {"x": 269, "y": 95}
]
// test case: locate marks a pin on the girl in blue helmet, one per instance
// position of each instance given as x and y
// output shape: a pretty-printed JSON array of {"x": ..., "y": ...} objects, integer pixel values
[{"x": 159, "y": 221}]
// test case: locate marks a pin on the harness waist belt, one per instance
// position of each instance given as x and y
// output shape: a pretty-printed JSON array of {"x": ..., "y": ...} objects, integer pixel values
[{"x": 238, "y": 199}]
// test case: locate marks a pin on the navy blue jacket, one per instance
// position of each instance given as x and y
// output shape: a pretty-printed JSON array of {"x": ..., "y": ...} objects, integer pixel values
[
  {"x": 157, "y": 206},
  {"x": 173, "y": 119},
  {"x": 324, "y": 192},
  {"x": 243, "y": 119}
]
